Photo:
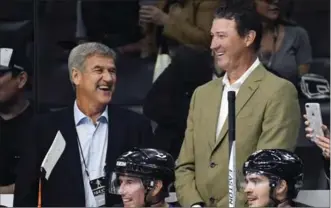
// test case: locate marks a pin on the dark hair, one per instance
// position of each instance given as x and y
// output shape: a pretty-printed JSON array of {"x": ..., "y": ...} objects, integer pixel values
[
  {"x": 286, "y": 11},
  {"x": 246, "y": 19}
]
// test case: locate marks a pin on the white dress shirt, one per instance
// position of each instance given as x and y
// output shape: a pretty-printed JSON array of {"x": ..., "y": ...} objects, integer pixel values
[
  {"x": 223, "y": 113},
  {"x": 93, "y": 140}
]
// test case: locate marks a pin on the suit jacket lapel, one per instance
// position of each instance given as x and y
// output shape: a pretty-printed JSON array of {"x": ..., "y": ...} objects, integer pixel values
[
  {"x": 245, "y": 93},
  {"x": 71, "y": 154},
  {"x": 116, "y": 135},
  {"x": 248, "y": 88},
  {"x": 212, "y": 112},
  {"x": 116, "y": 131}
]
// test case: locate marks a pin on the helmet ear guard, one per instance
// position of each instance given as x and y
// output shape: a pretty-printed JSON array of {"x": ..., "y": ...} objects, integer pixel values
[
  {"x": 274, "y": 181},
  {"x": 149, "y": 184}
]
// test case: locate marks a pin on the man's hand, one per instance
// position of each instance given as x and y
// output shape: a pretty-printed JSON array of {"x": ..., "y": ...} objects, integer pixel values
[
  {"x": 152, "y": 14},
  {"x": 323, "y": 142}
]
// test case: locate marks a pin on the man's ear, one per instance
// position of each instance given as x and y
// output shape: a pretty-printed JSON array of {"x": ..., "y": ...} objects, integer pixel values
[
  {"x": 76, "y": 76},
  {"x": 22, "y": 79},
  {"x": 250, "y": 38},
  {"x": 281, "y": 189},
  {"x": 157, "y": 188}
]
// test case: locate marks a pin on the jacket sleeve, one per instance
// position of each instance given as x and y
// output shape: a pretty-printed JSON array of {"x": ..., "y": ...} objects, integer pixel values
[
  {"x": 26, "y": 185},
  {"x": 192, "y": 24},
  {"x": 281, "y": 124},
  {"x": 146, "y": 133},
  {"x": 161, "y": 96},
  {"x": 186, "y": 191},
  {"x": 326, "y": 164}
]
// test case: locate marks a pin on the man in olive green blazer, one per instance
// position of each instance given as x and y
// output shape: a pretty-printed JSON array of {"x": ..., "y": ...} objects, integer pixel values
[{"x": 267, "y": 116}]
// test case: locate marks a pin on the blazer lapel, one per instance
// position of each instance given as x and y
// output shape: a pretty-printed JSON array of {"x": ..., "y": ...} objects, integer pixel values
[
  {"x": 212, "y": 112},
  {"x": 248, "y": 88},
  {"x": 116, "y": 137},
  {"x": 71, "y": 154},
  {"x": 245, "y": 93}
]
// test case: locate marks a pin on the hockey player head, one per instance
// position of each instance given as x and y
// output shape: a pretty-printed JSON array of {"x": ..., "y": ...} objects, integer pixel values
[
  {"x": 142, "y": 177},
  {"x": 273, "y": 178}
]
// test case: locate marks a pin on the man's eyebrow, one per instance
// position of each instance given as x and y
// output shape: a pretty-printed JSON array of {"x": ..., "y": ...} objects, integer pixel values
[
  {"x": 253, "y": 178},
  {"x": 102, "y": 67},
  {"x": 97, "y": 67},
  {"x": 219, "y": 31}
]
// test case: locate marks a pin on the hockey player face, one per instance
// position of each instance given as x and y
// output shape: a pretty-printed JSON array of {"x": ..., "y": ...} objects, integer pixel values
[
  {"x": 132, "y": 191},
  {"x": 257, "y": 190}
]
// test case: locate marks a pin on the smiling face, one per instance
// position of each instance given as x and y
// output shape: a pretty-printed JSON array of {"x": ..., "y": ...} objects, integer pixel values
[
  {"x": 257, "y": 190},
  {"x": 132, "y": 191},
  {"x": 96, "y": 83},
  {"x": 227, "y": 45}
]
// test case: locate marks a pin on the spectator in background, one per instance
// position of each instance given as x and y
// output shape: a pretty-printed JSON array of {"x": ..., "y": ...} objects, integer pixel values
[
  {"x": 182, "y": 21},
  {"x": 104, "y": 22},
  {"x": 323, "y": 142},
  {"x": 263, "y": 105},
  {"x": 168, "y": 101},
  {"x": 285, "y": 46},
  {"x": 170, "y": 23},
  {"x": 183, "y": 33},
  {"x": 16, "y": 111},
  {"x": 273, "y": 178}
]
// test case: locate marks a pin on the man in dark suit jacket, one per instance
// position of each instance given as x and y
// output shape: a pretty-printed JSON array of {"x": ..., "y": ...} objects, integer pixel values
[
  {"x": 189, "y": 68},
  {"x": 88, "y": 155}
]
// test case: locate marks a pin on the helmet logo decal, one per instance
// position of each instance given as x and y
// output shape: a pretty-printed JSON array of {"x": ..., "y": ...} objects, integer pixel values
[{"x": 120, "y": 163}]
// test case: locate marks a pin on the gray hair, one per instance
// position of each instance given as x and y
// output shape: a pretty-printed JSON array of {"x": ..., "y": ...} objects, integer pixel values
[{"x": 80, "y": 53}]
